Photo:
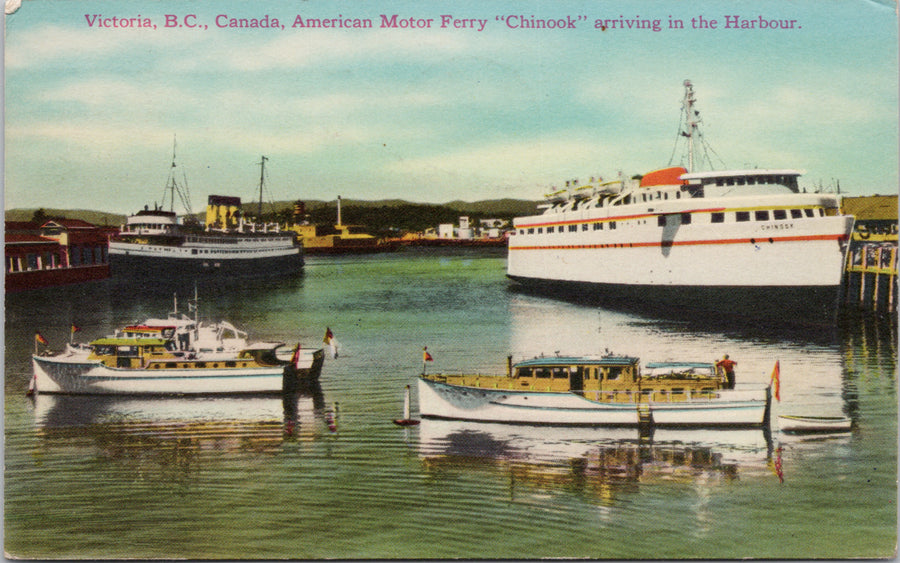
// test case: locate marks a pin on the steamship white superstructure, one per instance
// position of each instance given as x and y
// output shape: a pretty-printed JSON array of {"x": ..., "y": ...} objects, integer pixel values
[
  {"x": 153, "y": 242},
  {"x": 749, "y": 237}
]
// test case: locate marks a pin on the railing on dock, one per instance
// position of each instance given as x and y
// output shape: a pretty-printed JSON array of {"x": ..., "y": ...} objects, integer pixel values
[{"x": 870, "y": 278}]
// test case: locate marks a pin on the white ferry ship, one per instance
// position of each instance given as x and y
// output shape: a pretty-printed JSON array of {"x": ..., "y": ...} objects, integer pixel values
[
  {"x": 152, "y": 241},
  {"x": 727, "y": 239}
]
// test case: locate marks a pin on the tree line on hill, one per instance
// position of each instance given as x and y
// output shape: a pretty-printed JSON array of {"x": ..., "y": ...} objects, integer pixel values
[
  {"x": 389, "y": 219},
  {"x": 381, "y": 218}
]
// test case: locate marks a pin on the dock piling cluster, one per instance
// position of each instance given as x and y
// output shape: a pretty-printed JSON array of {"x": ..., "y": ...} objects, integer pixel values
[{"x": 870, "y": 278}]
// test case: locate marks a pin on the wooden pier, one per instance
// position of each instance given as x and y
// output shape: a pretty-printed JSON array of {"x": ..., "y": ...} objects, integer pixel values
[{"x": 870, "y": 277}]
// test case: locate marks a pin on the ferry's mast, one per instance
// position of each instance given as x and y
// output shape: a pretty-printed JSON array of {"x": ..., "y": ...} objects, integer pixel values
[
  {"x": 689, "y": 128},
  {"x": 262, "y": 170},
  {"x": 691, "y": 121},
  {"x": 172, "y": 186}
]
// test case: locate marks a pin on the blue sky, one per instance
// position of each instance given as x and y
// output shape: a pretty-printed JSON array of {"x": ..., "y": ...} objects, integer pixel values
[{"x": 434, "y": 115}]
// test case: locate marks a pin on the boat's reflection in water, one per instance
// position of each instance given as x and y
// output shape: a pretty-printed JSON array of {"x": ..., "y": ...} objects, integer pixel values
[
  {"x": 179, "y": 432},
  {"x": 600, "y": 462}
]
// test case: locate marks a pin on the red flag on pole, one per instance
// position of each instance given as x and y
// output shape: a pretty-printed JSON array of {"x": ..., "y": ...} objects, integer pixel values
[
  {"x": 40, "y": 338},
  {"x": 426, "y": 357},
  {"x": 295, "y": 357},
  {"x": 776, "y": 381}
]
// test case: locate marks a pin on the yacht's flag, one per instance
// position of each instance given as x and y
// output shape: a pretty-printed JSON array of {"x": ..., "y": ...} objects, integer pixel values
[
  {"x": 776, "y": 381},
  {"x": 426, "y": 357},
  {"x": 38, "y": 339}
]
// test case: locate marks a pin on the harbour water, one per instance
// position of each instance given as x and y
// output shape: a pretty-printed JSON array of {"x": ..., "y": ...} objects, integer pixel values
[{"x": 326, "y": 474}]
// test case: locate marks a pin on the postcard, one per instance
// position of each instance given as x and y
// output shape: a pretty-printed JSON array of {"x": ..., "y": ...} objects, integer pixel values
[{"x": 308, "y": 279}]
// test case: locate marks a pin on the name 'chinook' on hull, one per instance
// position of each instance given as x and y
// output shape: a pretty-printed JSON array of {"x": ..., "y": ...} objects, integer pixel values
[{"x": 751, "y": 230}]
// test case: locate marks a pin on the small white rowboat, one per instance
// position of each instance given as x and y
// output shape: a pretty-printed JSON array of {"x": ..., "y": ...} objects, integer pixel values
[{"x": 797, "y": 424}]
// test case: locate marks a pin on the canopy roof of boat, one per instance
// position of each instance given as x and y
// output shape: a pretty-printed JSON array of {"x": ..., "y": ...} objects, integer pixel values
[
  {"x": 171, "y": 322},
  {"x": 579, "y": 360},
  {"x": 153, "y": 327},
  {"x": 679, "y": 365},
  {"x": 155, "y": 213},
  {"x": 129, "y": 342}
]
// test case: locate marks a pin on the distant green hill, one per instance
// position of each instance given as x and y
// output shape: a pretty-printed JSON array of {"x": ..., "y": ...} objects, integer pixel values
[
  {"x": 390, "y": 217},
  {"x": 378, "y": 216},
  {"x": 499, "y": 207},
  {"x": 100, "y": 218},
  {"x": 485, "y": 207}
]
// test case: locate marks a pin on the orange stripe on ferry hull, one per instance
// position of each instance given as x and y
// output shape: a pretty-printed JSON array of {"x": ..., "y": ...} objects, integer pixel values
[{"x": 838, "y": 238}]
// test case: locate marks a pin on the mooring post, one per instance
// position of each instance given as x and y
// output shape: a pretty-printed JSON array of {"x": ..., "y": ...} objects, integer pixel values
[
  {"x": 892, "y": 278},
  {"x": 875, "y": 290},
  {"x": 862, "y": 276}
]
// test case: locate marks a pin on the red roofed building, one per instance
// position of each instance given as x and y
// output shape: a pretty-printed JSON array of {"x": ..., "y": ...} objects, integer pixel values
[{"x": 59, "y": 252}]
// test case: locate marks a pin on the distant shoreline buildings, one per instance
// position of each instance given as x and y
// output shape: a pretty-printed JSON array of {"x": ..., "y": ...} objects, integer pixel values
[
  {"x": 56, "y": 252},
  {"x": 487, "y": 229}
]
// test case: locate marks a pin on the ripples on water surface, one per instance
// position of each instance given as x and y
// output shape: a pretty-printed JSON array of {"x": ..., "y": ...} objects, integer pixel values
[{"x": 325, "y": 474}]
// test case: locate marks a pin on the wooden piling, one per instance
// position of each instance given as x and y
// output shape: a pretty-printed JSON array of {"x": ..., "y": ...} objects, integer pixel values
[{"x": 875, "y": 262}]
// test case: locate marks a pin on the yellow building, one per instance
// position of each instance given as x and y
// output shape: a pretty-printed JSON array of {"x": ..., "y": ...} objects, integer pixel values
[
  {"x": 223, "y": 212},
  {"x": 338, "y": 239}
]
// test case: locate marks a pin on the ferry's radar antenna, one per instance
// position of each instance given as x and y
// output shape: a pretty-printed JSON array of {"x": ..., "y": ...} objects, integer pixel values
[{"x": 689, "y": 128}]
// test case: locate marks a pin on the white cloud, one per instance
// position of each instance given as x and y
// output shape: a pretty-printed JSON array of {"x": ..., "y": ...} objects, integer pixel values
[
  {"x": 102, "y": 136},
  {"x": 538, "y": 160},
  {"x": 321, "y": 49},
  {"x": 111, "y": 92},
  {"x": 46, "y": 44},
  {"x": 788, "y": 107}
]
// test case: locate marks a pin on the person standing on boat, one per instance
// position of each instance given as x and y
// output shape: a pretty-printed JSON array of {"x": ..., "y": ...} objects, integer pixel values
[{"x": 727, "y": 365}]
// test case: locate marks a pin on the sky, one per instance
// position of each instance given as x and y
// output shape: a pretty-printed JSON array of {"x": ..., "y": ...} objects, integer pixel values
[{"x": 434, "y": 114}]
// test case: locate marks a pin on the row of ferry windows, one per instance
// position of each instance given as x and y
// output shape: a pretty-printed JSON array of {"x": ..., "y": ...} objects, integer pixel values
[
  {"x": 148, "y": 226},
  {"x": 611, "y": 225},
  {"x": 744, "y": 216},
  {"x": 230, "y": 251},
  {"x": 717, "y": 217}
]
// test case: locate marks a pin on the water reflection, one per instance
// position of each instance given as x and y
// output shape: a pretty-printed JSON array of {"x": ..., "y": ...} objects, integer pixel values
[
  {"x": 175, "y": 432},
  {"x": 723, "y": 313},
  {"x": 811, "y": 374},
  {"x": 601, "y": 463},
  {"x": 869, "y": 339}
]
